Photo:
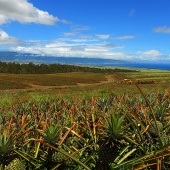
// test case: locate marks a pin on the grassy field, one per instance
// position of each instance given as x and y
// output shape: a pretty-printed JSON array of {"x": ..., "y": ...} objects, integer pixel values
[
  {"x": 22, "y": 81},
  {"x": 26, "y": 86}
]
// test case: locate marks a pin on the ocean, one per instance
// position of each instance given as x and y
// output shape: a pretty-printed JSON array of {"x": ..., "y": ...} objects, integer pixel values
[{"x": 159, "y": 66}]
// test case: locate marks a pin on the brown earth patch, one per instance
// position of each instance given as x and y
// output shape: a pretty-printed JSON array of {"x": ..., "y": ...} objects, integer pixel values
[{"x": 41, "y": 87}]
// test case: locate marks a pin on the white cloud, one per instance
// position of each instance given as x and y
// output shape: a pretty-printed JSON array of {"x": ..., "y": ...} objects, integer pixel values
[
  {"x": 103, "y": 36},
  {"x": 24, "y": 12},
  {"x": 60, "y": 48},
  {"x": 149, "y": 55},
  {"x": 5, "y": 39},
  {"x": 78, "y": 48},
  {"x": 163, "y": 29},
  {"x": 78, "y": 39},
  {"x": 73, "y": 49},
  {"x": 83, "y": 46},
  {"x": 76, "y": 28},
  {"x": 68, "y": 34},
  {"x": 153, "y": 53},
  {"x": 125, "y": 37},
  {"x": 3, "y": 19}
]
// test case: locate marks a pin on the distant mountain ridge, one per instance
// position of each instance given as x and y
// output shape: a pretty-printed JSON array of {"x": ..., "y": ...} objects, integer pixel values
[{"x": 7, "y": 56}]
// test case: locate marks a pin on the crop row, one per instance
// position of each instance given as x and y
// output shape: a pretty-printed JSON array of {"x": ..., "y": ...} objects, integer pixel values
[{"x": 117, "y": 132}]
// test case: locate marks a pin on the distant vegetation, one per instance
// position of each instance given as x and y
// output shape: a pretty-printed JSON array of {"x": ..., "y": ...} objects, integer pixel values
[{"x": 31, "y": 68}]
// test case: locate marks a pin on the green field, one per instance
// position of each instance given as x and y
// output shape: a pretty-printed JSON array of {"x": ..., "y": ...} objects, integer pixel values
[
  {"x": 23, "y": 86},
  {"x": 22, "y": 81},
  {"x": 86, "y": 121}
]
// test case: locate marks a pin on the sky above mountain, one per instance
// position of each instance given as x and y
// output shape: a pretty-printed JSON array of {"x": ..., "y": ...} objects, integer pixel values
[{"x": 115, "y": 29}]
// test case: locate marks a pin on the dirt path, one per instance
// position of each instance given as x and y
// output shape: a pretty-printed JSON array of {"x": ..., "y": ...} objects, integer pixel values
[{"x": 109, "y": 78}]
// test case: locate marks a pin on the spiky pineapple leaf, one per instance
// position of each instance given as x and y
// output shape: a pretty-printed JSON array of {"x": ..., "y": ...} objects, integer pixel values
[
  {"x": 6, "y": 144},
  {"x": 115, "y": 125}
]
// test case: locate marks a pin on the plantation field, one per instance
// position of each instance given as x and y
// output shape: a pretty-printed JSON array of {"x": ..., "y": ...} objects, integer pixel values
[
  {"x": 26, "y": 86},
  {"x": 86, "y": 121},
  {"x": 22, "y": 81}
]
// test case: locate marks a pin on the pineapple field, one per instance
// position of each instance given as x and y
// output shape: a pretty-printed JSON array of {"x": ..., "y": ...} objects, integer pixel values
[{"x": 118, "y": 124}]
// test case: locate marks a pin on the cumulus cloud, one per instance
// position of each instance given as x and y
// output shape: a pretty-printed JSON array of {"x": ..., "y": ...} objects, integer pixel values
[
  {"x": 125, "y": 37},
  {"x": 103, "y": 36},
  {"x": 77, "y": 49},
  {"x": 68, "y": 34},
  {"x": 5, "y": 39},
  {"x": 75, "y": 44},
  {"x": 60, "y": 48},
  {"x": 163, "y": 29},
  {"x": 77, "y": 28},
  {"x": 24, "y": 12},
  {"x": 153, "y": 53},
  {"x": 149, "y": 55},
  {"x": 111, "y": 45}
]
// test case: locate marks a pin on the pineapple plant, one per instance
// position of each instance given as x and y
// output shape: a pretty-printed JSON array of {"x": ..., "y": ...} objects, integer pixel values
[
  {"x": 111, "y": 142},
  {"x": 16, "y": 164},
  {"x": 52, "y": 133},
  {"x": 152, "y": 128},
  {"x": 6, "y": 145},
  {"x": 6, "y": 149},
  {"x": 51, "y": 136}
]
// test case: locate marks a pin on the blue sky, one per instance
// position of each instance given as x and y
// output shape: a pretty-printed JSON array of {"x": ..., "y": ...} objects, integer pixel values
[{"x": 114, "y": 29}]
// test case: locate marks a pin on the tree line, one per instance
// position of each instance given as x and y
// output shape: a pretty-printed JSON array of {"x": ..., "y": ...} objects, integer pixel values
[{"x": 31, "y": 68}]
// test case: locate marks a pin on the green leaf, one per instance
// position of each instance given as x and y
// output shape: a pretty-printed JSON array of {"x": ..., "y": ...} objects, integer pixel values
[{"x": 115, "y": 125}]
